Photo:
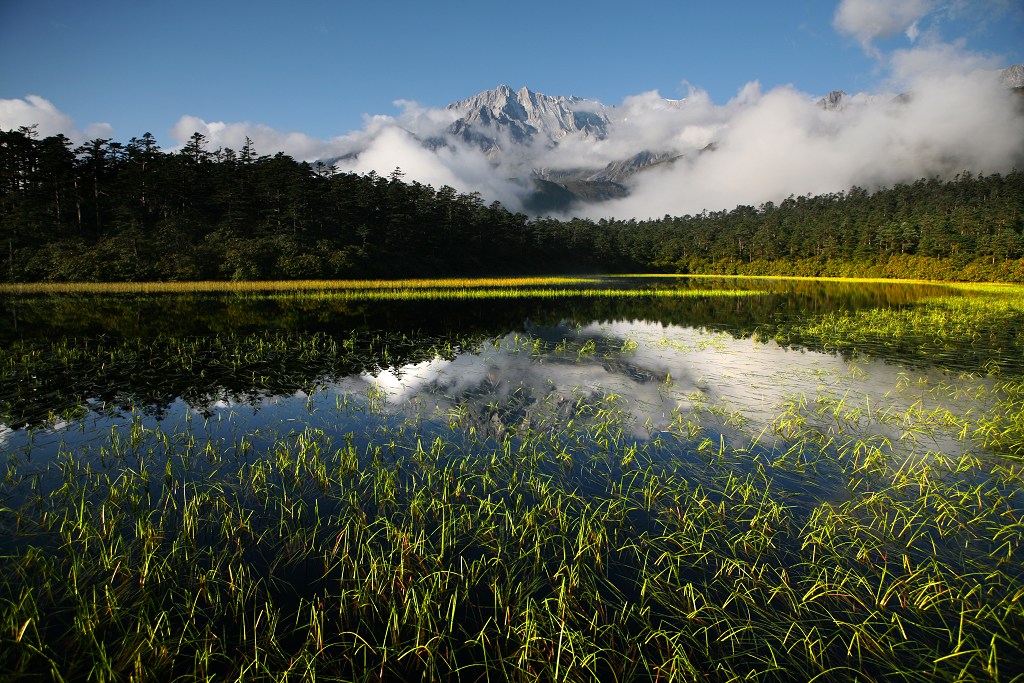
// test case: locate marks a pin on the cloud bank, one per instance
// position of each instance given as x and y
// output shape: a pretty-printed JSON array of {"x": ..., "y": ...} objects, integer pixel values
[
  {"x": 940, "y": 110},
  {"x": 775, "y": 144}
]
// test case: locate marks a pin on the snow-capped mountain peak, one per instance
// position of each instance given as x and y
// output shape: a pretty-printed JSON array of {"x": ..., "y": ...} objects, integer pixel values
[
  {"x": 1013, "y": 77},
  {"x": 524, "y": 116}
]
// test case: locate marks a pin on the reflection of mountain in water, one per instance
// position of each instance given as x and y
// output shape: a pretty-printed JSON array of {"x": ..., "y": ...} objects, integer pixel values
[
  {"x": 117, "y": 352},
  {"x": 653, "y": 372}
]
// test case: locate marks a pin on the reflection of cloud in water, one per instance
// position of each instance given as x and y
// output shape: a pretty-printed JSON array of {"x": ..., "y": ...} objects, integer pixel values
[
  {"x": 746, "y": 377},
  {"x": 658, "y": 372}
]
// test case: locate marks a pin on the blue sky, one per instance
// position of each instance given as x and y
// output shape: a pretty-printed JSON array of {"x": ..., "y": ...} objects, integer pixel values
[{"x": 318, "y": 67}]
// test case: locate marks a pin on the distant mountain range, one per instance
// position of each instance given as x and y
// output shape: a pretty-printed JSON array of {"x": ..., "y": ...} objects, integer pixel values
[{"x": 519, "y": 128}]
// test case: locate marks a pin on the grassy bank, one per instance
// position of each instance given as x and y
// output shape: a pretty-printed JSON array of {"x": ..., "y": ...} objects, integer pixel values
[
  {"x": 893, "y": 267},
  {"x": 376, "y": 290}
]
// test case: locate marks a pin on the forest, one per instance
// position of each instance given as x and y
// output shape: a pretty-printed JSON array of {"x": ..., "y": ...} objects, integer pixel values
[{"x": 110, "y": 211}]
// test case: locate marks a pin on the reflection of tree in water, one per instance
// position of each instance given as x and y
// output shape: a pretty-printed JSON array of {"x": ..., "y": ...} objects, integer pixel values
[
  {"x": 147, "y": 316},
  {"x": 148, "y": 351},
  {"x": 982, "y": 339},
  {"x": 40, "y": 380}
]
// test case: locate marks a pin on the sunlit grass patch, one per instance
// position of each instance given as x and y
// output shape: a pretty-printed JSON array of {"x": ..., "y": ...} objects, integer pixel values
[
  {"x": 778, "y": 278},
  {"x": 988, "y": 320},
  {"x": 467, "y": 293},
  {"x": 381, "y": 290},
  {"x": 283, "y": 285}
]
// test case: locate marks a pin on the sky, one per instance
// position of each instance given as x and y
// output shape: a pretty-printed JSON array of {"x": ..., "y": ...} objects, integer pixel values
[{"x": 314, "y": 77}]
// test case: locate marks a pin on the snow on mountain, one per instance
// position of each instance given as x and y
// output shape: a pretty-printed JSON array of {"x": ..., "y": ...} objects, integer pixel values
[
  {"x": 838, "y": 100},
  {"x": 523, "y": 116},
  {"x": 512, "y": 124},
  {"x": 1013, "y": 77},
  {"x": 556, "y": 154}
]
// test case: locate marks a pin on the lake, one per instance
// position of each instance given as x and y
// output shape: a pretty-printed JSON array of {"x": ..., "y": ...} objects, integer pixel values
[{"x": 647, "y": 478}]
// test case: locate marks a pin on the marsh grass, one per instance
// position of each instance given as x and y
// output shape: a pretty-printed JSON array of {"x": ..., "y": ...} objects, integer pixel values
[
  {"x": 563, "y": 549},
  {"x": 537, "y": 539},
  {"x": 381, "y": 290},
  {"x": 245, "y": 286},
  {"x": 981, "y": 328}
]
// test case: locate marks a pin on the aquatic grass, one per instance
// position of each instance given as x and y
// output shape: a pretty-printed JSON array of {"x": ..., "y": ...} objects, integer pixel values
[
  {"x": 800, "y": 278},
  {"x": 526, "y": 536},
  {"x": 506, "y": 568},
  {"x": 982, "y": 327}
]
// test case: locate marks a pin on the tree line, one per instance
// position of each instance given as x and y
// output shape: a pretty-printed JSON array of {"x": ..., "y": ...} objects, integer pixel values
[{"x": 107, "y": 211}]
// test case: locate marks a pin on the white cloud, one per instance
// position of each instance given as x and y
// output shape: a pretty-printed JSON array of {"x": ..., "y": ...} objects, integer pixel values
[
  {"x": 751, "y": 379},
  {"x": 98, "y": 130},
  {"x": 782, "y": 142},
  {"x": 937, "y": 61},
  {"x": 265, "y": 140},
  {"x": 48, "y": 119},
  {"x": 767, "y": 145},
  {"x": 870, "y": 20}
]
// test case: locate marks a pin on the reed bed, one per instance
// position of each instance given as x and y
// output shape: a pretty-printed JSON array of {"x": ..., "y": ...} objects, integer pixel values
[
  {"x": 982, "y": 327},
  {"x": 467, "y": 293},
  {"x": 799, "y": 278}
]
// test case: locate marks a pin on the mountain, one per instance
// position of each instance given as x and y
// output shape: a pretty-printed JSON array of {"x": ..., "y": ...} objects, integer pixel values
[
  {"x": 505, "y": 122},
  {"x": 1013, "y": 77},
  {"x": 496, "y": 118},
  {"x": 511, "y": 126},
  {"x": 560, "y": 189},
  {"x": 564, "y": 152},
  {"x": 839, "y": 100}
]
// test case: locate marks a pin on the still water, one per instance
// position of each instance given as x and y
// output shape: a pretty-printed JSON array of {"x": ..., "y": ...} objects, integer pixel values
[
  {"x": 805, "y": 481},
  {"x": 82, "y": 367}
]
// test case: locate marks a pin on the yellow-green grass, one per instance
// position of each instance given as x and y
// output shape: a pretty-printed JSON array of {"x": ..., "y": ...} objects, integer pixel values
[
  {"x": 511, "y": 293},
  {"x": 799, "y": 278},
  {"x": 216, "y": 286},
  {"x": 507, "y": 283},
  {"x": 378, "y": 290},
  {"x": 493, "y": 543},
  {"x": 991, "y": 309}
]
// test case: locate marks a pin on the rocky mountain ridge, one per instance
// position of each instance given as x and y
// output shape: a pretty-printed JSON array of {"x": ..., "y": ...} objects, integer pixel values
[
  {"x": 523, "y": 131},
  {"x": 500, "y": 120},
  {"x": 493, "y": 117},
  {"x": 1013, "y": 77}
]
